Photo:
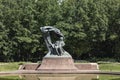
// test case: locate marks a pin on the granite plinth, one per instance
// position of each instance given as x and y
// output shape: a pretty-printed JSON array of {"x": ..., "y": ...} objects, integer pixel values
[
  {"x": 80, "y": 67},
  {"x": 29, "y": 66},
  {"x": 87, "y": 66},
  {"x": 57, "y": 64}
]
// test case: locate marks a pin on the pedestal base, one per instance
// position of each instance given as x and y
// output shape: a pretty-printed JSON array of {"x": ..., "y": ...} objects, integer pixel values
[{"x": 57, "y": 64}]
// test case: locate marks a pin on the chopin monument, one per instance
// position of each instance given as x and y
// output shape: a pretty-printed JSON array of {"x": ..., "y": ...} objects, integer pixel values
[
  {"x": 57, "y": 58},
  {"x": 56, "y": 48}
]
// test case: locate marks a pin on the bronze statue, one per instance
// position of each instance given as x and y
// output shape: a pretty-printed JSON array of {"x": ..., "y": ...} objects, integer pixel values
[{"x": 54, "y": 48}]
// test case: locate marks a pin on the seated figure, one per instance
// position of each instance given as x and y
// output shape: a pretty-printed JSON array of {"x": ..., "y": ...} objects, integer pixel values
[{"x": 55, "y": 48}]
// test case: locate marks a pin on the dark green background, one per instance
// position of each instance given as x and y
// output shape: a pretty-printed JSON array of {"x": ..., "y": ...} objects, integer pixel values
[{"x": 91, "y": 28}]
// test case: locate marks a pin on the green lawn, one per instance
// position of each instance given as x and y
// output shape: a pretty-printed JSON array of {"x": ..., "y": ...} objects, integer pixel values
[
  {"x": 10, "y": 66},
  {"x": 109, "y": 77},
  {"x": 10, "y": 78},
  {"x": 109, "y": 66}
]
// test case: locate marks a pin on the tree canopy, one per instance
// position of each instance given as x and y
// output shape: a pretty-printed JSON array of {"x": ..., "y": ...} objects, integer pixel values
[{"x": 91, "y": 28}]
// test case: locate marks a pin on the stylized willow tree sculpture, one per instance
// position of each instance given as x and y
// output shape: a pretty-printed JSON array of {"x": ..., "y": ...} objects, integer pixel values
[{"x": 54, "y": 48}]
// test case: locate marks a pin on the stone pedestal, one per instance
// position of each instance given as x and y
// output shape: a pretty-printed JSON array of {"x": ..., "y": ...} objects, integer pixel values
[
  {"x": 87, "y": 66},
  {"x": 29, "y": 66},
  {"x": 57, "y": 64}
]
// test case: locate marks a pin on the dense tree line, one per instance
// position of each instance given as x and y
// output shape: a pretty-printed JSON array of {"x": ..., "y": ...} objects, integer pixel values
[{"x": 91, "y": 28}]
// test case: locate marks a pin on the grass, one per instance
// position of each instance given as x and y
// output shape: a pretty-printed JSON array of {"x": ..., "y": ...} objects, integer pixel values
[
  {"x": 109, "y": 77},
  {"x": 10, "y": 78},
  {"x": 10, "y": 66},
  {"x": 109, "y": 66}
]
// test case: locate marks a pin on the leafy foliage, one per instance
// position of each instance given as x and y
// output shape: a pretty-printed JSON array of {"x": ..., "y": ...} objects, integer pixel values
[{"x": 91, "y": 28}]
